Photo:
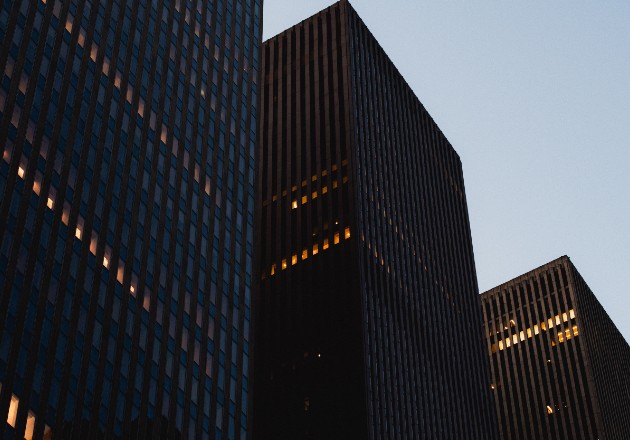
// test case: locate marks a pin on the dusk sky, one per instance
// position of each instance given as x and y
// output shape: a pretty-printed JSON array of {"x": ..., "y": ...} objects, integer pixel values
[{"x": 535, "y": 98}]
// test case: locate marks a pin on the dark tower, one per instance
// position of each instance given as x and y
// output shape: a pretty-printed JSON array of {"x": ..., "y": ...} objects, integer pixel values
[
  {"x": 128, "y": 132},
  {"x": 368, "y": 323},
  {"x": 560, "y": 368}
]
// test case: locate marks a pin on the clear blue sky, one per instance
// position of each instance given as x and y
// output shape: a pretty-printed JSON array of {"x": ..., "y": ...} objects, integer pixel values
[{"x": 535, "y": 98}]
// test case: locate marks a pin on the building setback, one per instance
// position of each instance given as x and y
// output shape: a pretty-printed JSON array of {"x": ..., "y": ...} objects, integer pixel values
[
  {"x": 560, "y": 368},
  {"x": 368, "y": 319},
  {"x": 128, "y": 134}
]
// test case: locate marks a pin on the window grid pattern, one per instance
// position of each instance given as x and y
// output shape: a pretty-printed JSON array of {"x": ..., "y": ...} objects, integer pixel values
[
  {"x": 127, "y": 182},
  {"x": 551, "y": 348}
]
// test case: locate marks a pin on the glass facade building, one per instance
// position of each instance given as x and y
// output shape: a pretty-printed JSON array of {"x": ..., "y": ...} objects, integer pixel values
[
  {"x": 560, "y": 368},
  {"x": 128, "y": 132},
  {"x": 368, "y": 319}
]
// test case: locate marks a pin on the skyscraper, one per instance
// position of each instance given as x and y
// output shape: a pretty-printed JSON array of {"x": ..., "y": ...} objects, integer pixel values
[
  {"x": 560, "y": 368},
  {"x": 128, "y": 135},
  {"x": 368, "y": 322}
]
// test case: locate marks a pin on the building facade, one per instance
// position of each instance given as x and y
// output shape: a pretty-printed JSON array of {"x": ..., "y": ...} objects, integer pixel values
[
  {"x": 128, "y": 134},
  {"x": 560, "y": 368},
  {"x": 368, "y": 318}
]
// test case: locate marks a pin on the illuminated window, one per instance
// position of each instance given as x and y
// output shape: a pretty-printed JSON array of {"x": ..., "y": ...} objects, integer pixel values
[
  {"x": 543, "y": 326},
  {"x": 294, "y": 188},
  {"x": 325, "y": 173},
  {"x": 572, "y": 313},
  {"x": 294, "y": 204},
  {"x": 494, "y": 348},
  {"x": 334, "y": 184},
  {"x": 273, "y": 269},
  {"x": 274, "y": 198},
  {"x": 284, "y": 264},
  {"x": 294, "y": 260},
  {"x": 575, "y": 330},
  {"x": 334, "y": 167},
  {"x": 314, "y": 195},
  {"x": 51, "y": 203},
  {"x": 507, "y": 342},
  {"x": 512, "y": 323},
  {"x": 336, "y": 238},
  {"x": 557, "y": 319},
  {"x": 550, "y": 323},
  {"x": 132, "y": 289},
  {"x": 549, "y": 410},
  {"x": 304, "y": 254},
  {"x": 106, "y": 262},
  {"x": 345, "y": 179},
  {"x": 560, "y": 337},
  {"x": 529, "y": 332},
  {"x": 565, "y": 318},
  {"x": 491, "y": 386},
  {"x": 13, "y": 409},
  {"x": 315, "y": 249},
  {"x": 325, "y": 246},
  {"x": 536, "y": 329},
  {"x": 347, "y": 233},
  {"x": 21, "y": 172},
  {"x": 515, "y": 339},
  {"x": 78, "y": 232},
  {"x": 314, "y": 178},
  {"x": 522, "y": 335},
  {"x": 304, "y": 199},
  {"x": 303, "y": 182},
  {"x": 324, "y": 190},
  {"x": 500, "y": 345}
]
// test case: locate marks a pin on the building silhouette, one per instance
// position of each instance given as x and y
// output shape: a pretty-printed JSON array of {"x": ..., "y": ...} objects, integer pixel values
[
  {"x": 128, "y": 134},
  {"x": 368, "y": 318},
  {"x": 560, "y": 368}
]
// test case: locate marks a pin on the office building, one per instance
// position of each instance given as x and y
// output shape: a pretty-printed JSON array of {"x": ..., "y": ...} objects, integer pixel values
[
  {"x": 128, "y": 133},
  {"x": 560, "y": 368},
  {"x": 368, "y": 322}
]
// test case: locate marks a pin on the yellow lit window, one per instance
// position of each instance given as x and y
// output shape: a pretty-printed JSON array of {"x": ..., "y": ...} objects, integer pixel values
[
  {"x": 132, "y": 289},
  {"x": 515, "y": 339},
  {"x": 78, "y": 232},
  {"x": 500, "y": 345},
  {"x": 325, "y": 246},
  {"x": 304, "y": 199},
  {"x": 512, "y": 323},
  {"x": 334, "y": 184},
  {"x": 106, "y": 262},
  {"x": 565, "y": 318},
  {"x": 303, "y": 182},
  {"x": 284, "y": 193},
  {"x": 334, "y": 167},
  {"x": 543, "y": 326},
  {"x": 294, "y": 204},
  {"x": 314, "y": 195},
  {"x": 294, "y": 188},
  {"x": 345, "y": 179},
  {"x": 347, "y": 233},
  {"x": 494, "y": 348},
  {"x": 304, "y": 254},
  {"x": 13, "y": 409},
  {"x": 284, "y": 264},
  {"x": 21, "y": 172},
  {"x": 572, "y": 313},
  {"x": 274, "y": 198},
  {"x": 557, "y": 319},
  {"x": 536, "y": 329},
  {"x": 560, "y": 337},
  {"x": 336, "y": 238},
  {"x": 575, "y": 330},
  {"x": 550, "y": 322},
  {"x": 273, "y": 269},
  {"x": 315, "y": 249},
  {"x": 567, "y": 333},
  {"x": 529, "y": 332},
  {"x": 325, "y": 190},
  {"x": 549, "y": 410},
  {"x": 522, "y": 335},
  {"x": 294, "y": 260},
  {"x": 51, "y": 203},
  {"x": 314, "y": 178},
  {"x": 507, "y": 342},
  {"x": 325, "y": 173}
]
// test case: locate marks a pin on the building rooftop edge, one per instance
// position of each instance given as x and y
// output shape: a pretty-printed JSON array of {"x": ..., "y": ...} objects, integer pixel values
[{"x": 524, "y": 275}]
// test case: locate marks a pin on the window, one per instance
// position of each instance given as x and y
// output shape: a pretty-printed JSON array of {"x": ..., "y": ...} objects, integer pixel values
[
  {"x": 336, "y": 239},
  {"x": 294, "y": 260},
  {"x": 304, "y": 199},
  {"x": 294, "y": 204},
  {"x": 315, "y": 249},
  {"x": 325, "y": 246},
  {"x": 284, "y": 264},
  {"x": 304, "y": 254},
  {"x": 347, "y": 233}
]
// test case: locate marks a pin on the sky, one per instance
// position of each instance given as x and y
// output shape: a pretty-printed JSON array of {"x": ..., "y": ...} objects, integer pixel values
[{"x": 535, "y": 98}]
